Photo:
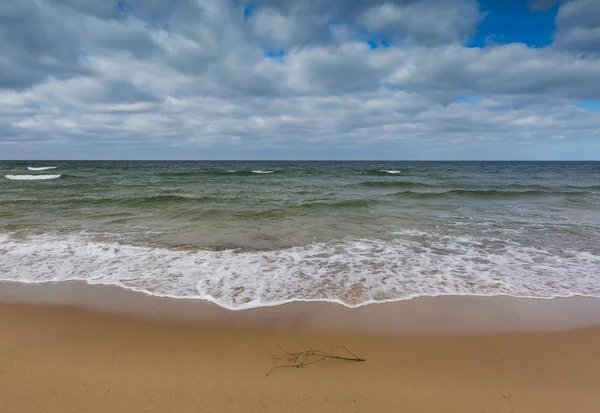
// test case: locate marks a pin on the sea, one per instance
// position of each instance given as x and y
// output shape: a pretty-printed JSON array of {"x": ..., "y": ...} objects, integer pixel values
[{"x": 253, "y": 234}]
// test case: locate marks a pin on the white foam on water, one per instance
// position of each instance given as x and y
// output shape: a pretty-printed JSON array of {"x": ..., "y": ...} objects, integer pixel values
[
  {"x": 262, "y": 172},
  {"x": 389, "y": 171},
  {"x": 41, "y": 168},
  {"x": 411, "y": 233},
  {"x": 352, "y": 272},
  {"x": 30, "y": 177}
]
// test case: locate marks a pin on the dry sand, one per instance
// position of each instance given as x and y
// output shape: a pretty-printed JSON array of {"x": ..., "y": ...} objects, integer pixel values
[{"x": 59, "y": 359}]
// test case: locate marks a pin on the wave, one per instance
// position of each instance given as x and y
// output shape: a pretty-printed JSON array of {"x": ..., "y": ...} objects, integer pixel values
[
  {"x": 546, "y": 188},
  {"x": 41, "y": 168},
  {"x": 219, "y": 206},
  {"x": 485, "y": 193},
  {"x": 351, "y": 272},
  {"x": 349, "y": 203},
  {"x": 289, "y": 210},
  {"x": 395, "y": 184},
  {"x": 384, "y": 172},
  {"x": 152, "y": 200},
  {"x": 31, "y": 177},
  {"x": 188, "y": 173},
  {"x": 582, "y": 188},
  {"x": 126, "y": 201},
  {"x": 530, "y": 187},
  {"x": 212, "y": 173},
  {"x": 503, "y": 190}
]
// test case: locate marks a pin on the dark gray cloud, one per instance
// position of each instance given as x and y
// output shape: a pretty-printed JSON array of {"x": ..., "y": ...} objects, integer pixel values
[
  {"x": 193, "y": 79},
  {"x": 578, "y": 26},
  {"x": 34, "y": 45}
]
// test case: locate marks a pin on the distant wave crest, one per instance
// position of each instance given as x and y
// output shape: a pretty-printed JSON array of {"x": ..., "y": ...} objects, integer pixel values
[
  {"x": 30, "y": 177},
  {"x": 229, "y": 172},
  {"x": 383, "y": 172},
  {"x": 40, "y": 168}
]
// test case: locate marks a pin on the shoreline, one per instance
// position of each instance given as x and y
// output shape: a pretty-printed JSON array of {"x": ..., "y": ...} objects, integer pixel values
[{"x": 422, "y": 315}]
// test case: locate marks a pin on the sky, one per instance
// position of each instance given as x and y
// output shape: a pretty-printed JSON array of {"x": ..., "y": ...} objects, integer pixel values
[{"x": 300, "y": 79}]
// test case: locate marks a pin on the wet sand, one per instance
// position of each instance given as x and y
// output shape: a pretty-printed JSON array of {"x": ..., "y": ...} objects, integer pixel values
[
  {"x": 426, "y": 315},
  {"x": 144, "y": 355}
]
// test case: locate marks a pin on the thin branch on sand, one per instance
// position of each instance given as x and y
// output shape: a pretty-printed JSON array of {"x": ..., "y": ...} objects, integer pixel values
[{"x": 309, "y": 356}]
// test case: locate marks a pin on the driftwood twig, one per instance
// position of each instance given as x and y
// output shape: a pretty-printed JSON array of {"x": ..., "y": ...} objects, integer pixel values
[{"x": 309, "y": 356}]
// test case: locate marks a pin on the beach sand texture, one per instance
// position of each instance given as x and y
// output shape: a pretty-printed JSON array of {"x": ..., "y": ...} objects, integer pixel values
[{"x": 62, "y": 359}]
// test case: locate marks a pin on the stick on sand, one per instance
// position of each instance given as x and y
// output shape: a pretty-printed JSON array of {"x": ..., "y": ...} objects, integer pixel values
[{"x": 304, "y": 358}]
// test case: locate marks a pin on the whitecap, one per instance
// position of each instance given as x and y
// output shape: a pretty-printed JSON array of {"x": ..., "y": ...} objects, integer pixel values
[
  {"x": 40, "y": 168},
  {"x": 262, "y": 172},
  {"x": 390, "y": 171},
  {"x": 30, "y": 177}
]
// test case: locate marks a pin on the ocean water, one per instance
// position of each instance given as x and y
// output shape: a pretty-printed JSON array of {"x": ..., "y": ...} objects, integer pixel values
[{"x": 248, "y": 234}]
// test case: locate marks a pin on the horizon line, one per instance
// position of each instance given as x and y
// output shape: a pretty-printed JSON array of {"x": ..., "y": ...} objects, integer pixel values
[{"x": 299, "y": 160}]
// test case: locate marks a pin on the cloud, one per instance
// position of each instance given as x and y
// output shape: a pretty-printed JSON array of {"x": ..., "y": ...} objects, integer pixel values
[
  {"x": 509, "y": 70},
  {"x": 194, "y": 79},
  {"x": 285, "y": 24},
  {"x": 34, "y": 46},
  {"x": 425, "y": 23},
  {"x": 578, "y": 26}
]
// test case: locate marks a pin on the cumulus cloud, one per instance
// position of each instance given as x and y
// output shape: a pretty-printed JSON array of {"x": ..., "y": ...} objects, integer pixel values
[{"x": 287, "y": 79}]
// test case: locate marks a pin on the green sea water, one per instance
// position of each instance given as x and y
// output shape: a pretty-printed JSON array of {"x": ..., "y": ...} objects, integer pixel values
[{"x": 258, "y": 233}]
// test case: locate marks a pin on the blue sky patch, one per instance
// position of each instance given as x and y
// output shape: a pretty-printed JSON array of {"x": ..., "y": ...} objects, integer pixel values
[
  {"x": 374, "y": 43},
  {"x": 276, "y": 54},
  {"x": 508, "y": 21},
  {"x": 373, "y": 39},
  {"x": 124, "y": 7},
  {"x": 249, "y": 10},
  {"x": 468, "y": 99},
  {"x": 593, "y": 105}
]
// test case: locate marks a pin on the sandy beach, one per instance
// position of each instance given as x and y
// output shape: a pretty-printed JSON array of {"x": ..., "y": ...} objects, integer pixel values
[{"x": 71, "y": 359}]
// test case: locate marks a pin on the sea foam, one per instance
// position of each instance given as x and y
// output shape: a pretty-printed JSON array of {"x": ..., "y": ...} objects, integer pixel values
[
  {"x": 41, "y": 168},
  {"x": 262, "y": 172},
  {"x": 30, "y": 177},
  {"x": 352, "y": 272}
]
